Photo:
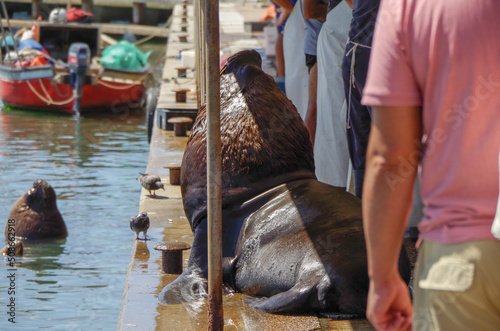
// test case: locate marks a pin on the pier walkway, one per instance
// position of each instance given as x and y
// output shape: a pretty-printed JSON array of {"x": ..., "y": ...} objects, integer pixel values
[{"x": 140, "y": 307}]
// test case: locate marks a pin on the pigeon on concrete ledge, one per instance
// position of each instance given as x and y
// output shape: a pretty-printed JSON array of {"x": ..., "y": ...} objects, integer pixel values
[
  {"x": 150, "y": 183},
  {"x": 140, "y": 223}
]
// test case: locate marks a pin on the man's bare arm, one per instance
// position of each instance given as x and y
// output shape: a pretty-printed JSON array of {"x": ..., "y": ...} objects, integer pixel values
[
  {"x": 393, "y": 156},
  {"x": 394, "y": 138},
  {"x": 314, "y": 9},
  {"x": 285, "y": 4},
  {"x": 286, "y": 8}
]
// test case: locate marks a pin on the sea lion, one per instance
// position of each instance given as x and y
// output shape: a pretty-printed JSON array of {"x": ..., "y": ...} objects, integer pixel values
[
  {"x": 294, "y": 243},
  {"x": 35, "y": 215}
]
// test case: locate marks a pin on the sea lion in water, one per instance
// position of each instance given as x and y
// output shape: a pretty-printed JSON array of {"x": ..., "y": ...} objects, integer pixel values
[
  {"x": 35, "y": 215},
  {"x": 295, "y": 243}
]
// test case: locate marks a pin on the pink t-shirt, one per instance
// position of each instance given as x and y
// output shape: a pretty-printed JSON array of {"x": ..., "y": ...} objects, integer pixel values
[{"x": 445, "y": 56}]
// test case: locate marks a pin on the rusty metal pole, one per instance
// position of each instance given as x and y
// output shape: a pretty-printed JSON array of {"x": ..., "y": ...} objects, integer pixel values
[
  {"x": 201, "y": 33},
  {"x": 197, "y": 52},
  {"x": 214, "y": 164}
]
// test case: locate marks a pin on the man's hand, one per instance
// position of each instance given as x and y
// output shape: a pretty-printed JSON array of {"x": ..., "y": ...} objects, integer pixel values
[{"x": 389, "y": 305}]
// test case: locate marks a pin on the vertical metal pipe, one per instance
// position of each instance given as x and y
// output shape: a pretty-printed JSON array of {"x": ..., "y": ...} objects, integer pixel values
[
  {"x": 88, "y": 5},
  {"x": 3, "y": 38},
  {"x": 214, "y": 164},
  {"x": 138, "y": 12},
  {"x": 35, "y": 9},
  {"x": 201, "y": 31},
  {"x": 200, "y": 54},
  {"x": 6, "y": 15},
  {"x": 197, "y": 53}
]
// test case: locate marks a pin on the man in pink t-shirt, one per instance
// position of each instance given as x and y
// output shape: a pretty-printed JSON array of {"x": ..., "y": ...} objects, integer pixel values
[{"x": 434, "y": 85}]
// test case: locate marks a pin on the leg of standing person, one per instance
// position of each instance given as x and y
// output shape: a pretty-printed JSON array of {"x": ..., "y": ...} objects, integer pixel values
[
  {"x": 358, "y": 116},
  {"x": 312, "y": 30},
  {"x": 311, "y": 115},
  {"x": 280, "y": 58}
]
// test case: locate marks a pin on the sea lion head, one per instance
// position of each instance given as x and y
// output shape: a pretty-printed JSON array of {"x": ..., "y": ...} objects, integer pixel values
[
  {"x": 35, "y": 215},
  {"x": 41, "y": 196},
  {"x": 263, "y": 139}
]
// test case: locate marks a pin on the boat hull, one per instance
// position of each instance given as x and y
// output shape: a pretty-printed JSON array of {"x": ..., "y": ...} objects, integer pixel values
[{"x": 37, "y": 90}]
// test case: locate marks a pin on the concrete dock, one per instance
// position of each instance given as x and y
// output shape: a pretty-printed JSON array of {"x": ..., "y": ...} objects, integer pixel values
[{"x": 145, "y": 279}]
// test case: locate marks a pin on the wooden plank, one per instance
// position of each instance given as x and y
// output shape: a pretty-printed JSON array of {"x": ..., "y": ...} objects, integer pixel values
[
  {"x": 108, "y": 28},
  {"x": 107, "y": 40},
  {"x": 140, "y": 30}
]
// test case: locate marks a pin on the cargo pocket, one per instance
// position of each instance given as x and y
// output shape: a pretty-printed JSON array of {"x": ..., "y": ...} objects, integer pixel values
[{"x": 448, "y": 274}]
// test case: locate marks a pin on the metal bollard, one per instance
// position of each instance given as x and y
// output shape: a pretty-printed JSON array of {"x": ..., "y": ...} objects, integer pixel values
[{"x": 171, "y": 256}]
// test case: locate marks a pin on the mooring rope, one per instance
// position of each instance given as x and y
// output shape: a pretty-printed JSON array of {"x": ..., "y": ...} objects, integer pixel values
[
  {"x": 116, "y": 87},
  {"x": 47, "y": 99}
]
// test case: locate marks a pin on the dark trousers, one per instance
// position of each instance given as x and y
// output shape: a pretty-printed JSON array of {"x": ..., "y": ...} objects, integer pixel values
[{"x": 359, "y": 116}]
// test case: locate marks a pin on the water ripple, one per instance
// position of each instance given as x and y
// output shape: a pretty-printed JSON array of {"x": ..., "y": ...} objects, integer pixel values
[{"x": 92, "y": 164}]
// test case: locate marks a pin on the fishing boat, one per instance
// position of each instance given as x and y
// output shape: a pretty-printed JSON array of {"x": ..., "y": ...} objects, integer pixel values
[{"x": 67, "y": 77}]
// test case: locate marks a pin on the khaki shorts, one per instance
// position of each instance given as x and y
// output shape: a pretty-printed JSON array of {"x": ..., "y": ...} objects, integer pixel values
[{"x": 457, "y": 287}]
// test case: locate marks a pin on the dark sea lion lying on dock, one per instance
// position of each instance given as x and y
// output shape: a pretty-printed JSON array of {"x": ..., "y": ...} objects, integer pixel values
[
  {"x": 35, "y": 216},
  {"x": 293, "y": 242}
]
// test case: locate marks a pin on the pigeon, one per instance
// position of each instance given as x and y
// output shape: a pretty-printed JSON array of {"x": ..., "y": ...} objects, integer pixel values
[
  {"x": 150, "y": 182},
  {"x": 140, "y": 223}
]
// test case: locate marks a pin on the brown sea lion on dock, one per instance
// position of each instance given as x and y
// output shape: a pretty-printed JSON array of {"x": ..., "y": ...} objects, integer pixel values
[
  {"x": 294, "y": 243},
  {"x": 35, "y": 216}
]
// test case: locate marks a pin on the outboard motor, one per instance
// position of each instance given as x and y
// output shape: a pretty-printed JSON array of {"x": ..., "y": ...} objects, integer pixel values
[{"x": 78, "y": 62}]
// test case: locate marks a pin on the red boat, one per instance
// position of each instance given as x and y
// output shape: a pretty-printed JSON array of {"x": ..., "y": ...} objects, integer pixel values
[{"x": 51, "y": 87}]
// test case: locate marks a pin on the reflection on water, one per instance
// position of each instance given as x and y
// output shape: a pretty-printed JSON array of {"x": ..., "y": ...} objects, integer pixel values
[{"x": 92, "y": 163}]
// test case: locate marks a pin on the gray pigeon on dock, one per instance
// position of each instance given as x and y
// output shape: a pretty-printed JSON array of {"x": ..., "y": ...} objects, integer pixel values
[
  {"x": 140, "y": 223},
  {"x": 150, "y": 182}
]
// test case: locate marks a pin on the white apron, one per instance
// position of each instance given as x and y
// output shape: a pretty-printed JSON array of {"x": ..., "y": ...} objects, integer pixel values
[
  {"x": 296, "y": 74},
  {"x": 331, "y": 155}
]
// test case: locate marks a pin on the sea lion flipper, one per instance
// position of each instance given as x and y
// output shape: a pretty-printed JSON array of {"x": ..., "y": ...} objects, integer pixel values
[
  {"x": 284, "y": 302},
  {"x": 185, "y": 288}
]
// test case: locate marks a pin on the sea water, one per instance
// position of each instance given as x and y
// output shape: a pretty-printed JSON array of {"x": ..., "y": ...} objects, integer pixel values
[{"x": 92, "y": 163}]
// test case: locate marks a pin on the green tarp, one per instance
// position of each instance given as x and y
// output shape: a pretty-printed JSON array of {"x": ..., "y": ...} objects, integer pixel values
[{"x": 124, "y": 55}]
